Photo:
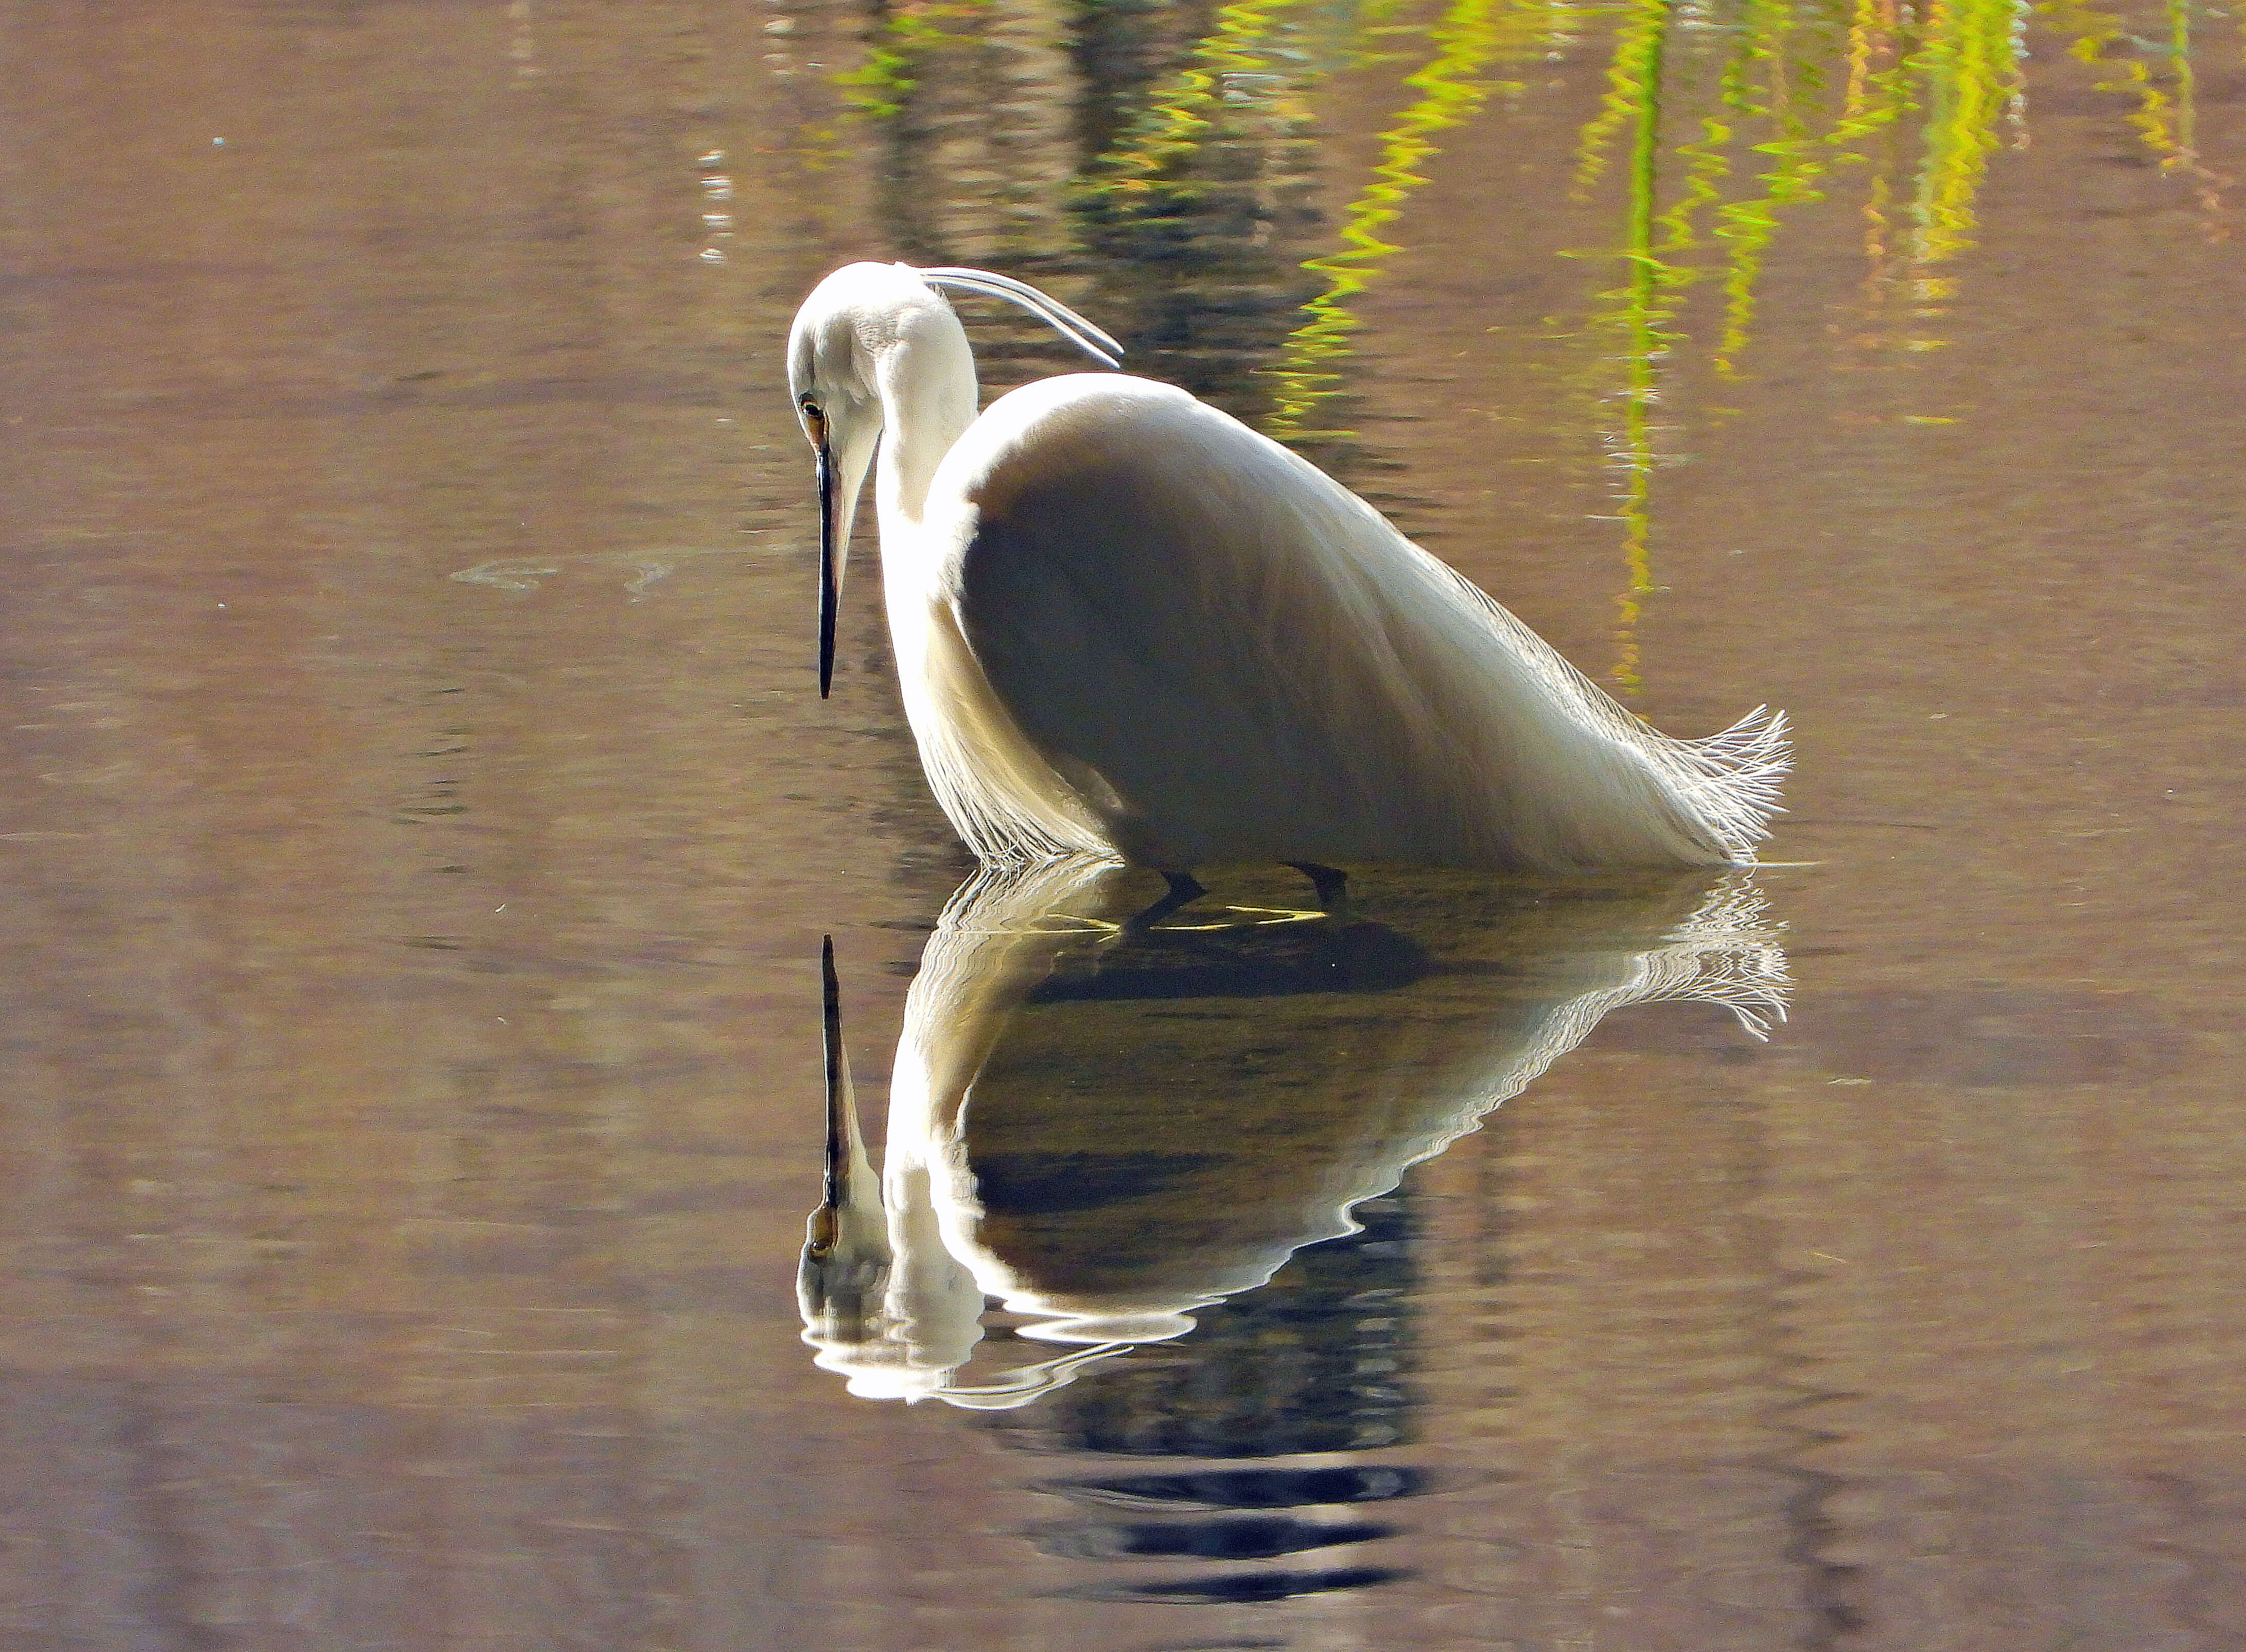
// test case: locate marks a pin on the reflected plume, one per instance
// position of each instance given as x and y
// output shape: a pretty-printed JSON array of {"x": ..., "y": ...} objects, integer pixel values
[{"x": 1107, "y": 1129}]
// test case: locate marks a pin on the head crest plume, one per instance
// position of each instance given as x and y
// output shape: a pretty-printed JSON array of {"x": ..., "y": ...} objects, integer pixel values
[{"x": 1063, "y": 320}]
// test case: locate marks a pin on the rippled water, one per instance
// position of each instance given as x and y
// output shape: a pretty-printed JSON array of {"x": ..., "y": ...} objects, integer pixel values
[{"x": 422, "y": 822}]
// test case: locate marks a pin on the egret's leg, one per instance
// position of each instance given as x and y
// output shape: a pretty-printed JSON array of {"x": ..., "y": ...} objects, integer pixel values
[
  {"x": 1184, "y": 887},
  {"x": 1331, "y": 882}
]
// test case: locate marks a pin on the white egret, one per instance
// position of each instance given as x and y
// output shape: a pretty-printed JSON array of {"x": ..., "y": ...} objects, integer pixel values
[{"x": 1126, "y": 625}]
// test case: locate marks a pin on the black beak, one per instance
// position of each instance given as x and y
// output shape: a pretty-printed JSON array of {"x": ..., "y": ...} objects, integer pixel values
[{"x": 830, "y": 574}]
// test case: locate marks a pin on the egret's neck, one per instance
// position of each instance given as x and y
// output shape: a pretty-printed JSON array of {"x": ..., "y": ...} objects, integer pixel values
[{"x": 927, "y": 380}]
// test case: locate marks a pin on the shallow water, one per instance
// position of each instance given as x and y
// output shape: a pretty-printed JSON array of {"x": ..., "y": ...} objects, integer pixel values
[{"x": 422, "y": 821}]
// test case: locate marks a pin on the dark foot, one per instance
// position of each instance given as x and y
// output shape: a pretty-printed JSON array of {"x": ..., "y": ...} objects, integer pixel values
[
  {"x": 1183, "y": 889},
  {"x": 1331, "y": 883}
]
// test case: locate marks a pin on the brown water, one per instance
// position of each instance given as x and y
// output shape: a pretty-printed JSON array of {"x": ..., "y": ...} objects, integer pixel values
[{"x": 421, "y": 821}]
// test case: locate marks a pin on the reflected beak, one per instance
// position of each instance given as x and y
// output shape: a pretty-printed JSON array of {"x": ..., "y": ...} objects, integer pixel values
[
  {"x": 830, "y": 567},
  {"x": 842, "y": 1104},
  {"x": 843, "y": 1276},
  {"x": 850, "y": 1188}
]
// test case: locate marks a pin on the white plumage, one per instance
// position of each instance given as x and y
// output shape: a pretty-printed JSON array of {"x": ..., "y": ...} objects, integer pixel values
[{"x": 1125, "y": 623}]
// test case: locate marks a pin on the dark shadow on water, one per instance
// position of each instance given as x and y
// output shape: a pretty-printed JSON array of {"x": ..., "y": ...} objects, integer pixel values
[
  {"x": 1245, "y": 1488},
  {"x": 1265, "y": 961},
  {"x": 1244, "y": 1586},
  {"x": 1055, "y": 1184},
  {"x": 1245, "y": 1538}
]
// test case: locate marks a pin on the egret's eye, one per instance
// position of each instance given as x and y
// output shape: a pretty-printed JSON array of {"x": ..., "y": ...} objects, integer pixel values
[{"x": 814, "y": 420}]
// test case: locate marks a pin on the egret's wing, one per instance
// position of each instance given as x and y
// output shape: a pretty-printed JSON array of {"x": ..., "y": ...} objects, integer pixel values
[
  {"x": 1229, "y": 655},
  {"x": 1188, "y": 622}
]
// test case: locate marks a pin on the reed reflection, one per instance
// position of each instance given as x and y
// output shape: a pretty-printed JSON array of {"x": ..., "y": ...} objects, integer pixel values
[{"x": 1108, "y": 1131}]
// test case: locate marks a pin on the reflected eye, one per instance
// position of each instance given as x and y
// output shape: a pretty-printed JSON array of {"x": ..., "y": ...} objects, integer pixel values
[{"x": 825, "y": 1229}]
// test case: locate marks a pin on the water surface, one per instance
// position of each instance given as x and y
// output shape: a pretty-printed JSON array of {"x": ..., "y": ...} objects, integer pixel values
[{"x": 422, "y": 821}]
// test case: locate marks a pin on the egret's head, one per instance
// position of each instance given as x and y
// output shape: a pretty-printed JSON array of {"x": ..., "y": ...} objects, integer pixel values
[
  {"x": 870, "y": 328},
  {"x": 832, "y": 378}
]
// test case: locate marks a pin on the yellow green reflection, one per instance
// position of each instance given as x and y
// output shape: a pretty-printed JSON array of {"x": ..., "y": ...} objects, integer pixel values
[
  {"x": 902, "y": 36},
  {"x": 1771, "y": 106},
  {"x": 1468, "y": 37},
  {"x": 1181, "y": 114}
]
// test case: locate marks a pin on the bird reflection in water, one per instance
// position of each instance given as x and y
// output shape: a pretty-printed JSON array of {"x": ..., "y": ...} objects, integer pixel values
[{"x": 1107, "y": 1129}]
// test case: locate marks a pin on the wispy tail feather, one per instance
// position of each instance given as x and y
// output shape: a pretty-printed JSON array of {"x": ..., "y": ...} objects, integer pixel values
[{"x": 1732, "y": 779}]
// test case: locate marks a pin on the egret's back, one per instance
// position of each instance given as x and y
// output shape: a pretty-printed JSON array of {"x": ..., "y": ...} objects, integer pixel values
[{"x": 1221, "y": 654}]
